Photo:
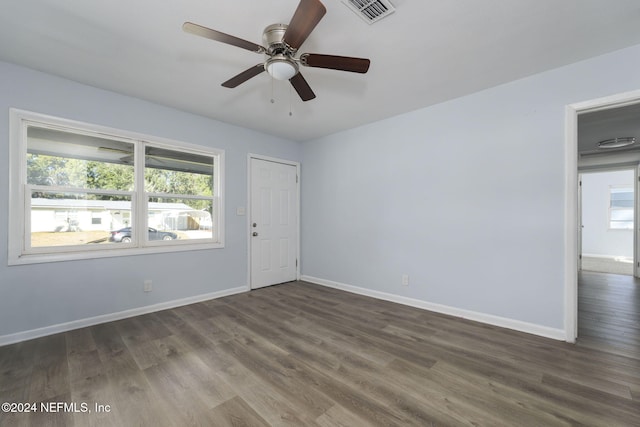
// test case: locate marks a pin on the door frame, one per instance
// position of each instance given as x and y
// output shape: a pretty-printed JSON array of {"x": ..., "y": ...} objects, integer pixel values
[
  {"x": 571, "y": 211},
  {"x": 604, "y": 168},
  {"x": 251, "y": 156}
]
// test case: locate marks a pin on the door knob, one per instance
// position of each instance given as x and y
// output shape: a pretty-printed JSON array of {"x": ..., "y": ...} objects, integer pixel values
[
  {"x": 255, "y": 225},
  {"x": 255, "y": 233}
]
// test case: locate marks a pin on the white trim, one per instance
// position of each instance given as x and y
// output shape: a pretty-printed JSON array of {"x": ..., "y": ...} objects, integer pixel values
[
  {"x": 503, "y": 322},
  {"x": 248, "y": 210},
  {"x": 274, "y": 160},
  {"x": 607, "y": 102},
  {"x": 17, "y": 172},
  {"x": 571, "y": 222},
  {"x": 571, "y": 225},
  {"x": 90, "y": 321},
  {"x": 70, "y": 255},
  {"x": 140, "y": 200}
]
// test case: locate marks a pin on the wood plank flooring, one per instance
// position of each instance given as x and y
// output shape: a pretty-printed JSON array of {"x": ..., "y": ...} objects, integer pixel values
[
  {"x": 609, "y": 312},
  {"x": 299, "y": 354}
]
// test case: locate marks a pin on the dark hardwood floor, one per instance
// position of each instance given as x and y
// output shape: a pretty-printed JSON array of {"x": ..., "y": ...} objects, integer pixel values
[
  {"x": 299, "y": 354},
  {"x": 609, "y": 313}
]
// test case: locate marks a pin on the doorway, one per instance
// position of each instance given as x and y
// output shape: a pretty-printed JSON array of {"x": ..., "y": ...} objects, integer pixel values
[
  {"x": 607, "y": 221},
  {"x": 273, "y": 221},
  {"x": 575, "y": 157}
]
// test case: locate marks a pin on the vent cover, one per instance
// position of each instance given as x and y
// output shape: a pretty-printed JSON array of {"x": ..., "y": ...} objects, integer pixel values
[{"x": 370, "y": 10}]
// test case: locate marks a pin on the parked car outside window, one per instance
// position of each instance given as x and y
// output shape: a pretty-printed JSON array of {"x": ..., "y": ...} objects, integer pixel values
[{"x": 124, "y": 235}]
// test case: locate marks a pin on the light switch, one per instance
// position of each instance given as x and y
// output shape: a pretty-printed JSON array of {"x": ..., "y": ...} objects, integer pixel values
[{"x": 240, "y": 211}]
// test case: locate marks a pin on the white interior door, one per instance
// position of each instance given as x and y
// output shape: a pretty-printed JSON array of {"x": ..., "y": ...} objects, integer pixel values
[{"x": 274, "y": 222}]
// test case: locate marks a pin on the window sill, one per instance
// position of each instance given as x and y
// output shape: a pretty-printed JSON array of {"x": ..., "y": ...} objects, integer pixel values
[{"x": 120, "y": 252}]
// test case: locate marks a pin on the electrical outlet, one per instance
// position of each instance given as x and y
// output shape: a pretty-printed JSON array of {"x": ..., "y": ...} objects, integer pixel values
[
  {"x": 148, "y": 286},
  {"x": 405, "y": 280}
]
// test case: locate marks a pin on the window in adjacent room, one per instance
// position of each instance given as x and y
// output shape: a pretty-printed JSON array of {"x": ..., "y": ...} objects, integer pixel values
[{"x": 621, "y": 205}]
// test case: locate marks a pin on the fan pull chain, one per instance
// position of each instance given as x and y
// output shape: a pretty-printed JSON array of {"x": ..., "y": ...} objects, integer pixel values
[
  {"x": 272, "y": 99},
  {"x": 290, "y": 112}
]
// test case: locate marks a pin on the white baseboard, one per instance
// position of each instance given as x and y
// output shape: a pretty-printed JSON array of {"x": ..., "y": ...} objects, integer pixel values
[
  {"x": 503, "y": 322},
  {"x": 612, "y": 257},
  {"x": 90, "y": 321}
]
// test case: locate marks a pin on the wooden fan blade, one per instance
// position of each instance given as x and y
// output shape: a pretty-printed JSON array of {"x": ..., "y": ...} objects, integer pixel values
[
  {"x": 302, "y": 87},
  {"x": 305, "y": 19},
  {"x": 244, "y": 76},
  {"x": 333, "y": 62},
  {"x": 199, "y": 30}
]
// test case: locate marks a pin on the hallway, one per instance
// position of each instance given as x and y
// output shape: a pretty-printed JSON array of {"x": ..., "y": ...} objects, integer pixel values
[{"x": 609, "y": 313}]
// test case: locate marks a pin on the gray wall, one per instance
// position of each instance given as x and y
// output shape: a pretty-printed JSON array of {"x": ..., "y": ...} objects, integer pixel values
[
  {"x": 40, "y": 295},
  {"x": 466, "y": 197}
]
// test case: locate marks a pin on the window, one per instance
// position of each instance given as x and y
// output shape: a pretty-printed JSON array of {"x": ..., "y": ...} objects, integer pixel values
[
  {"x": 621, "y": 205},
  {"x": 82, "y": 191}
]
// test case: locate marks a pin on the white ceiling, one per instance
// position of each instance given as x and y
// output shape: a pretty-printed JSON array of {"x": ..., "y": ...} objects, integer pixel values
[{"x": 427, "y": 52}]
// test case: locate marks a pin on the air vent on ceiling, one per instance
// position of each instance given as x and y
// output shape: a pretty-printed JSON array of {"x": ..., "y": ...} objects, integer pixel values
[{"x": 370, "y": 10}]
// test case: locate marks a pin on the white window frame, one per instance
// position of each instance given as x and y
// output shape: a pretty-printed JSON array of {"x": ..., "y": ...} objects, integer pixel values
[
  {"x": 19, "y": 251},
  {"x": 611, "y": 209}
]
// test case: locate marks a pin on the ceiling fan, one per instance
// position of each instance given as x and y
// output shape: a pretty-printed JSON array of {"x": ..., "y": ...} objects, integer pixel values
[{"x": 283, "y": 42}]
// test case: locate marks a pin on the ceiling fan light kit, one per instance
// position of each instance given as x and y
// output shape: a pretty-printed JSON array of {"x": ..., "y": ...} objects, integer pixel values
[
  {"x": 620, "y": 142},
  {"x": 282, "y": 43},
  {"x": 280, "y": 67}
]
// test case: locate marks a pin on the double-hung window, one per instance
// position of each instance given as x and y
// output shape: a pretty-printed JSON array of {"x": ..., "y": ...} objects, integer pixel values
[
  {"x": 621, "y": 207},
  {"x": 83, "y": 191}
]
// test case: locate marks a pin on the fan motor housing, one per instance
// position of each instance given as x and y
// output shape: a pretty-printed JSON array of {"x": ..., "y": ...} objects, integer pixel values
[{"x": 272, "y": 38}]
